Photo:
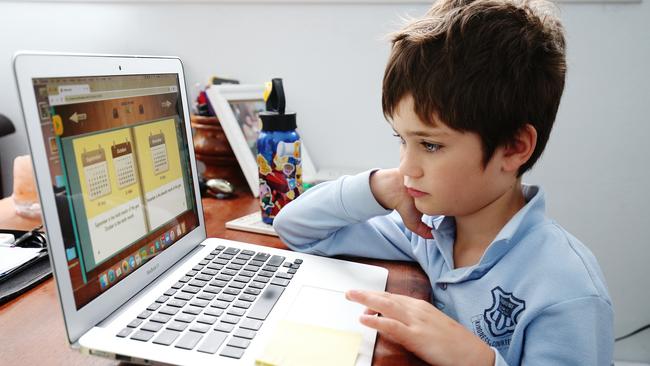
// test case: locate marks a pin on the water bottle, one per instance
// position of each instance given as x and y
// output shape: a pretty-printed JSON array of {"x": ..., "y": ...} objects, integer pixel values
[{"x": 278, "y": 154}]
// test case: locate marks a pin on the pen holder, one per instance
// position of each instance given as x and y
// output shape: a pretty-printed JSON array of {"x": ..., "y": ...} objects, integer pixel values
[{"x": 25, "y": 195}]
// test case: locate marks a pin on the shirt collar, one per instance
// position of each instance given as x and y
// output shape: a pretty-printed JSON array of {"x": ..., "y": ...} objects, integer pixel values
[{"x": 444, "y": 231}]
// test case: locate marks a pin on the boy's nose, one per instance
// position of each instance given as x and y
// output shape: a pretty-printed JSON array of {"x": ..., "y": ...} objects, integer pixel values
[{"x": 408, "y": 166}]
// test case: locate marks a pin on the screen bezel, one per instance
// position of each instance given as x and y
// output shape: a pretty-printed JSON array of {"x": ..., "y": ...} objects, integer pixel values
[{"x": 28, "y": 66}]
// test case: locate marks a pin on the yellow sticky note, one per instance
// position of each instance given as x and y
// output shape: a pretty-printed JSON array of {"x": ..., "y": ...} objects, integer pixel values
[{"x": 295, "y": 344}]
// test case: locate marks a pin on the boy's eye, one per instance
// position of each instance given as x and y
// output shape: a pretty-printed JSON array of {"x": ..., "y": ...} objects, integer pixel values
[{"x": 430, "y": 147}]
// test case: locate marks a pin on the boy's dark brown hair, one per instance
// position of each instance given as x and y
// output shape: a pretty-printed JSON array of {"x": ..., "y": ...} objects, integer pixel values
[{"x": 484, "y": 66}]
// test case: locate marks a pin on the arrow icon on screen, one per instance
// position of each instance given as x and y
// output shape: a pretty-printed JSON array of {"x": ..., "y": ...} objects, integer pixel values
[
  {"x": 76, "y": 117},
  {"x": 166, "y": 104}
]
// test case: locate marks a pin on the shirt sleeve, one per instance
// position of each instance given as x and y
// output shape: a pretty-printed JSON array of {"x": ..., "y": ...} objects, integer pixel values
[
  {"x": 574, "y": 332},
  {"x": 342, "y": 217}
]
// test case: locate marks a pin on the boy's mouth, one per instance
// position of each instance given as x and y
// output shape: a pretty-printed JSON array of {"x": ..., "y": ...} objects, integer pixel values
[{"x": 415, "y": 193}]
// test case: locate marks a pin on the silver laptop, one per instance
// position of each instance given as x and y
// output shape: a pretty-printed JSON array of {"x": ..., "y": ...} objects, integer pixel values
[{"x": 137, "y": 278}]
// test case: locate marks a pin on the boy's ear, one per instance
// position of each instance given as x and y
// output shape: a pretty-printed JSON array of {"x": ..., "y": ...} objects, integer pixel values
[{"x": 518, "y": 151}]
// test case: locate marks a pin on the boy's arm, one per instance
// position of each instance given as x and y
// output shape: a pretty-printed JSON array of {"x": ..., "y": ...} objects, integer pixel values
[{"x": 344, "y": 217}]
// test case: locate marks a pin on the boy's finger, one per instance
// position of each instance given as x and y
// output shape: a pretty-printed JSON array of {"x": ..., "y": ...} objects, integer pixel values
[
  {"x": 388, "y": 327},
  {"x": 380, "y": 302}
]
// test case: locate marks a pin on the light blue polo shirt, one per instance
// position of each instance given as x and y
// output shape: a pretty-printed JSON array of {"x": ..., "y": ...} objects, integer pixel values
[{"x": 537, "y": 296}]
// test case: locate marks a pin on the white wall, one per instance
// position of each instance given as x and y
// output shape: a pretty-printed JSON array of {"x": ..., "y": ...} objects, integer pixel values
[{"x": 595, "y": 169}]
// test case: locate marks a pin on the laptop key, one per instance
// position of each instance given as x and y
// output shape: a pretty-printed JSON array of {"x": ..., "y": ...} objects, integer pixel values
[
  {"x": 233, "y": 266},
  {"x": 206, "y": 296},
  {"x": 204, "y": 262},
  {"x": 244, "y": 333},
  {"x": 205, "y": 277},
  {"x": 189, "y": 340},
  {"x": 225, "y": 256},
  {"x": 220, "y": 247},
  {"x": 177, "y": 303},
  {"x": 231, "y": 250},
  {"x": 207, "y": 319},
  {"x": 212, "y": 289},
  {"x": 236, "y": 311},
  {"x": 265, "y": 303},
  {"x": 160, "y": 318},
  {"x": 212, "y": 342},
  {"x": 224, "y": 327},
  {"x": 194, "y": 310},
  {"x": 219, "y": 283},
  {"x": 198, "y": 267},
  {"x": 178, "y": 326},
  {"x": 153, "y": 307},
  {"x": 144, "y": 315},
  {"x": 170, "y": 292},
  {"x": 256, "y": 263},
  {"x": 223, "y": 277},
  {"x": 246, "y": 273},
  {"x": 226, "y": 297},
  {"x": 191, "y": 289},
  {"x": 231, "y": 291},
  {"x": 231, "y": 319},
  {"x": 284, "y": 275},
  {"x": 166, "y": 337},
  {"x": 168, "y": 310},
  {"x": 152, "y": 326},
  {"x": 279, "y": 282},
  {"x": 247, "y": 297},
  {"x": 265, "y": 273},
  {"x": 291, "y": 270},
  {"x": 184, "y": 296},
  {"x": 242, "y": 279},
  {"x": 213, "y": 312},
  {"x": 270, "y": 268},
  {"x": 275, "y": 260},
  {"x": 232, "y": 352},
  {"x": 178, "y": 285},
  {"x": 185, "y": 318},
  {"x": 263, "y": 279},
  {"x": 228, "y": 272},
  {"x": 257, "y": 285},
  {"x": 241, "y": 304},
  {"x": 251, "y": 324},
  {"x": 262, "y": 257},
  {"x": 239, "y": 342},
  {"x": 252, "y": 291},
  {"x": 201, "y": 328},
  {"x": 124, "y": 332},
  {"x": 200, "y": 303},
  {"x": 191, "y": 273},
  {"x": 247, "y": 252},
  {"x": 220, "y": 304},
  {"x": 240, "y": 260},
  {"x": 185, "y": 279},
  {"x": 197, "y": 283},
  {"x": 142, "y": 335},
  {"x": 297, "y": 261},
  {"x": 162, "y": 299},
  {"x": 134, "y": 323},
  {"x": 238, "y": 285},
  {"x": 220, "y": 261}
]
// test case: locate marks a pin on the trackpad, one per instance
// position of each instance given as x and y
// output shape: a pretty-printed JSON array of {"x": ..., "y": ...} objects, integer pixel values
[{"x": 325, "y": 308}]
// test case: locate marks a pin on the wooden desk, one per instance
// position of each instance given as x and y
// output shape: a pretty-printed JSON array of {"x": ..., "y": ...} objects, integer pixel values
[{"x": 32, "y": 330}]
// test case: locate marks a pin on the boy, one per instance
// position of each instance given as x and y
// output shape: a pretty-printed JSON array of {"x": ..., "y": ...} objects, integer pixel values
[{"x": 471, "y": 90}]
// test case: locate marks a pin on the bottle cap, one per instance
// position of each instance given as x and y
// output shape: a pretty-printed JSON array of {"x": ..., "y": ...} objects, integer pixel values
[{"x": 275, "y": 118}]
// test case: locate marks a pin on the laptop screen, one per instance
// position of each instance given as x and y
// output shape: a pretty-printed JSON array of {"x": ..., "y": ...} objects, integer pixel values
[{"x": 119, "y": 164}]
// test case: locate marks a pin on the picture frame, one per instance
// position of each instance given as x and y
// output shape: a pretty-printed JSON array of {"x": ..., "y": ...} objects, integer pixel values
[{"x": 237, "y": 107}]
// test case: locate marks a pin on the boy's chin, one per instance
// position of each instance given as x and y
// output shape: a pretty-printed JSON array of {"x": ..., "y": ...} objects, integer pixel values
[{"x": 427, "y": 208}]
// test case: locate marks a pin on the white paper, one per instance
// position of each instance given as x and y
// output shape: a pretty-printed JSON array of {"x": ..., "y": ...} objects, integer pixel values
[{"x": 12, "y": 257}]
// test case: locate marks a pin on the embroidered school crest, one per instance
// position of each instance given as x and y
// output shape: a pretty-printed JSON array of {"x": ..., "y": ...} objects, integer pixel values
[{"x": 501, "y": 318}]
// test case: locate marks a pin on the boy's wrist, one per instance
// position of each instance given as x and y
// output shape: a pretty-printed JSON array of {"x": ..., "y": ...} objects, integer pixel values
[{"x": 386, "y": 186}]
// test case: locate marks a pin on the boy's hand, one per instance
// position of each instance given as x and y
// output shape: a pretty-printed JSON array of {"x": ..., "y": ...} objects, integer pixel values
[
  {"x": 422, "y": 329},
  {"x": 387, "y": 185}
]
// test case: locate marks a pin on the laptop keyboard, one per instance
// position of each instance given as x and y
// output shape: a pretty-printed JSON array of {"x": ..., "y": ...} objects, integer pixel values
[{"x": 223, "y": 300}]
